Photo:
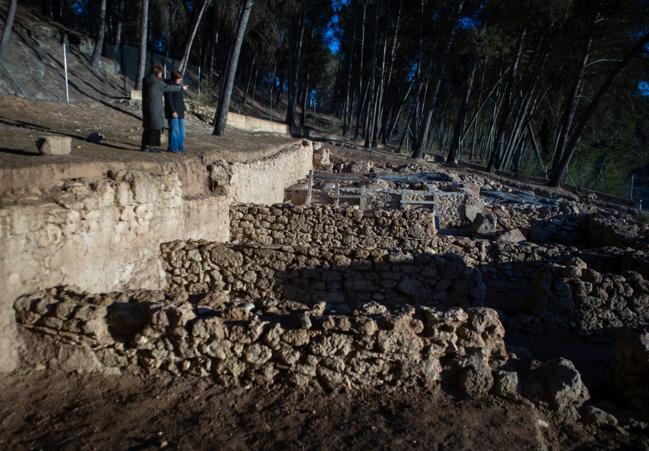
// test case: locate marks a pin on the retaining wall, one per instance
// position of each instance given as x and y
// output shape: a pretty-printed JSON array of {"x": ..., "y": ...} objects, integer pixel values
[
  {"x": 254, "y": 124},
  {"x": 104, "y": 233},
  {"x": 331, "y": 227},
  {"x": 345, "y": 277},
  {"x": 147, "y": 331}
]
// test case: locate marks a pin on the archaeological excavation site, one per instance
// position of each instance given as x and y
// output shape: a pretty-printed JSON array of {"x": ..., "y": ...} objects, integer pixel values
[
  {"x": 334, "y": 276},
  {"x": 333, "y": 225}
]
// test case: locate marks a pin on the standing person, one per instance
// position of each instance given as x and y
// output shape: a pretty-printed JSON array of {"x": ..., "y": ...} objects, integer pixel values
[
  {"x": 175, "y": 114},
  {"x": 152, "y": 108}
]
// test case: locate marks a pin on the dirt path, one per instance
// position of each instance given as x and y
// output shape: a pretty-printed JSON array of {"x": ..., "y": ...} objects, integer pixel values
[{"x": 50, "y": 410}]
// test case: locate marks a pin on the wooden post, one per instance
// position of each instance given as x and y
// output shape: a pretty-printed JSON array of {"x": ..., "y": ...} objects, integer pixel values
[{"x": 363, "y": 199}]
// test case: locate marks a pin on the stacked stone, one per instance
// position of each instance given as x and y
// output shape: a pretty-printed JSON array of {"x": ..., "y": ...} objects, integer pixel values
[
  {"x": 631, "y": 369},
  {"x": 346, "y": 277},
  {"x": 619, "y": 231},
  {"x": 369, "y": 347},
  {"x": 327, "y": 226},
  {"x": 571, "y": 297}
]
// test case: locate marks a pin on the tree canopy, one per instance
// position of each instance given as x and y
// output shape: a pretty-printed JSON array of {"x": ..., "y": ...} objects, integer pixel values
[{"x": 547, "y": 88}]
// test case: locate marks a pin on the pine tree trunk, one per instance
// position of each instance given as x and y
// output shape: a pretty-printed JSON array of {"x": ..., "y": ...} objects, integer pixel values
[
  {"x": 559, "y": 170},
  {"x": 144, "y": 30},
  {"x": 227, "y": 86},
  {"x": 250, "y": 75},
  {"x": 350, "y": 65},
  {"x": 305, "y": 100},
  {"x": 422, "y": 138},
  {"x": 376, "y": 119},
  {"x": 8, "y": 26},
  {"x": 455, "y": 152},
  {"x": 371, "y": 110},
  {"x": 294, "y": 69},
  {"x": 99, "y": 43},
  {"x": 361, "y": 92},
  {"x": 119, "y": 29},
  {"x": 188, "y": 47}
]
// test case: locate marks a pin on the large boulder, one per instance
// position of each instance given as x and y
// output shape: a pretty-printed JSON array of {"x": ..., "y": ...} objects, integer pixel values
[
  {"x": 474, "y": 378},
  {"x": 558, "y": 383},
  {"x": 563, "y": 384},
  {"x": 512, "y": 236},
  {"x": 485, "y": 224}
]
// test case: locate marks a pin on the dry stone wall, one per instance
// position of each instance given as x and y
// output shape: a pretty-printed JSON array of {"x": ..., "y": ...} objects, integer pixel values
[
  {"x": 570, "y": 296},
  {"x": 631, "y": 368},
  {"x": 369, "y": 347},
  {"x": 103, "y": 232},
  {"x": 331, "y": 227},
  {"x": 345, "y": 277}
]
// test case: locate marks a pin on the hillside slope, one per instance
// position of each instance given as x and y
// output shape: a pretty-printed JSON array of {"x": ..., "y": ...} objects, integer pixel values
[{"x": 33, "y": 64}]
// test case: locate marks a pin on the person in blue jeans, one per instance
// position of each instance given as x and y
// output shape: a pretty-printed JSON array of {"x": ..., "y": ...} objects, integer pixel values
[{"x": 175, "y": 114}]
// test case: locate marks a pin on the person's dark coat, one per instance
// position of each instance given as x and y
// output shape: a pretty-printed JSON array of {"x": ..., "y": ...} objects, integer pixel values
[
  {"x": 152, "y": 107},
  {"x": 175, "y": 103}
]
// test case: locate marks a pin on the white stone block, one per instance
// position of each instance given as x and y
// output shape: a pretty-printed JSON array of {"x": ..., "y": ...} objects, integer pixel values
[
  {"x": 136, "y": 95},
  {"x": 55, "y": 145}
]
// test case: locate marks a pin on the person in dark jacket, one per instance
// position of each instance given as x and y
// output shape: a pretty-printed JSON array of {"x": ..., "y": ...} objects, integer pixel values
[
  {"x": 152, "y": 108},
  {"x": 175, "y": 114}
]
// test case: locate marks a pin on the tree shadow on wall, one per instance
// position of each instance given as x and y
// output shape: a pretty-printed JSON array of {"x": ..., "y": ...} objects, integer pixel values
[
  {"x": 444, "y": 281},
  {"x": 424, "y": 279}
]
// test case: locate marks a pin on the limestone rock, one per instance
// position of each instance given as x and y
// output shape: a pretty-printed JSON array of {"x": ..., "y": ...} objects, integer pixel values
[
  {"x": 506, "y": 383},
  {"x": 598, "y": 417},
  {"x": 474, "y": 375},
  {"x": 563, "y": 384},
  {"x": 360, "y": 167},
  {"x": 512, "y": 236},
  {"x": 485, "y": 224},
  {"x": 473, "y": 207},
  {"x": 55, "y": 145}
]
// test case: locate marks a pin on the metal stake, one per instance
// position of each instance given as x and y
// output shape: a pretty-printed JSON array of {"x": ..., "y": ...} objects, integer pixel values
[
  {"x": 65, "y": 66},
  {"x": 309, "y": 196}
]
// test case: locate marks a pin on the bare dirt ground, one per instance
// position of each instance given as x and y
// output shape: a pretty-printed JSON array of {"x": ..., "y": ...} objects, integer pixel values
[
  {"x": 49, "y": 410},
  {"x": 23, "y": 121}
]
